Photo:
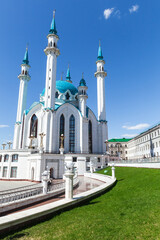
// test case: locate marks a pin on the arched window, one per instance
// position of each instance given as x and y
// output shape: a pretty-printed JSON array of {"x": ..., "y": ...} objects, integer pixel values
[
  {"x": 6, "y": 157},
  {"x": 61, "y": 130},
  {"x": 0, "y": 158},
  {"x": 51, "y": 44},
  {"x": 33, "y": 126},
  {"x": 15, "y": 158},
  {"x": 56, "y": 95},
  {"x": 25, "y": 72},
  {"x": 90, "y": 136},
  {"x": 67, "y": 96},
  {"x": 72, "y": 134},
  {"x": 54, "y": 44}
]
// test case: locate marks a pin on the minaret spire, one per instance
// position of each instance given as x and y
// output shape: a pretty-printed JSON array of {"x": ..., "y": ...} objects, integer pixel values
[
  {"x": 68, "y": 75},
  {"x": 53, "y": 29},
  {"x": 24, "y": 78},
  {"x": 100, "y": 55},
  {"x": 100, "y": 75},
  {"x": 25, "y": 59}
]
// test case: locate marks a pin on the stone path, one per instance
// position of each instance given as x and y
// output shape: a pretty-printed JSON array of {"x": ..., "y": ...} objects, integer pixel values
[
  {"x": 8, "y": 185},
  {"x": 85, "y": 184}
]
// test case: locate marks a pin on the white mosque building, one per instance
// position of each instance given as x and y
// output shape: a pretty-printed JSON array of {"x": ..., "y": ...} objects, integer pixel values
[{"x": 60, "y": 126}]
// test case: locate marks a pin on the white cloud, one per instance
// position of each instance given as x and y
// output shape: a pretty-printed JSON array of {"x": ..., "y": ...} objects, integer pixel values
[
  {"x": 134, "y": 8},
  {"x": 107, "y": 12},
  {"x": 129, "y": 135},
  {"x": 3, "y": 126},
  {"x": 137, "y": 127}
]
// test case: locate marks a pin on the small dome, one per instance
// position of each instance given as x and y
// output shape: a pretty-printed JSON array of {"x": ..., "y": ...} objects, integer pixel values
[
  {"x": 82, "y": 82},
  {"x": 63, "y": 86}
]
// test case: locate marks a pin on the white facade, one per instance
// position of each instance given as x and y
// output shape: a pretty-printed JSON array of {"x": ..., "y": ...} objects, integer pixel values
[
  {"x": 145, "y": 145},
  {"x": 61, "y": 111}
]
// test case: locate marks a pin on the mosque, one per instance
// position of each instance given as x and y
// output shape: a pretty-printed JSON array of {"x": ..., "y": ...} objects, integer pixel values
[{"x": 60, "y": 126}]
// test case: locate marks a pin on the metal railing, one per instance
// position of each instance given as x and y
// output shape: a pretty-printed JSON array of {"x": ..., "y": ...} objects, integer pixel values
[
  {"x": 140, "y": 160},
  {"x": 56, "y": 186},
  {"x": 16, "y": 196},
  {"x": 23, "y": 193}
]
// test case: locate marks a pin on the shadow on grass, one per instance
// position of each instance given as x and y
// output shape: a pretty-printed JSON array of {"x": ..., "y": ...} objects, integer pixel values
[
  {"x": 33, "y": 222},
  {"x": 19, "y": 235},
  {"x": 122, "y": 179}
]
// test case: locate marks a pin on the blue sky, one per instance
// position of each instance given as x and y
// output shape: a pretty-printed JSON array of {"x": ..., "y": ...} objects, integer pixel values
[{"x": 130, "y": 37}]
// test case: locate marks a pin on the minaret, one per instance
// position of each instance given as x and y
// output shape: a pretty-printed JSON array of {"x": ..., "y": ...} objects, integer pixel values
[
  {"x": 52, "y": 53},
  {"x": 24, "y": 78},
  {"x": 82, "y": 96},
  {"x": 100, "y": 75},
  {"x": 68, "y": 76}
]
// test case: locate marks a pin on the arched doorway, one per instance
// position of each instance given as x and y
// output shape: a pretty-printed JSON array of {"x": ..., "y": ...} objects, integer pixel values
[
  {"x": 32, "y": 173},
  {"x": 51, "y": 173}
]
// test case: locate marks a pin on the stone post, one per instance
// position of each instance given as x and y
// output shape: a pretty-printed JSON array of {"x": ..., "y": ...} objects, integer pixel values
[
  {"x": 69, "y": 173},
  {"x": 113, "y": 172},
  {"x": 45, "y": 181}
]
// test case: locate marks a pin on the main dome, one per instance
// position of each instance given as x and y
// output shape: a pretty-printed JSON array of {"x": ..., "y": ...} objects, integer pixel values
[{"x": 63, "y": 86}]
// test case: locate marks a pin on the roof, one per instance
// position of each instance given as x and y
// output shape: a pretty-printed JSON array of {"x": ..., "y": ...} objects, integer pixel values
[
  {"x": 82, "y": 82},
  {"x": 119, "y": 140},
  {"x": 100, "y": 56},
  {"x": 53, "y": 26},
  {"x": 63, "y": 86},
  {"x": 25, "y": 59}
]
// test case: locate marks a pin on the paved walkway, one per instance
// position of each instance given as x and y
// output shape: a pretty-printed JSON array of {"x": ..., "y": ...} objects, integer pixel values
[
  {"x": 138, "y": 165},
  {"x": 85, "y": 184},
  {"x": 10, "y": 185}
]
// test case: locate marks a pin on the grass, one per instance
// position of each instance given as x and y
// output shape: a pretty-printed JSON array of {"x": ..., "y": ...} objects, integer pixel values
[{"x": 130, "y": 210}]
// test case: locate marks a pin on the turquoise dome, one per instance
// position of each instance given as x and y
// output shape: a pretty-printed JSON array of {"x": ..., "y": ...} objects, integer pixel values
[
  {"x": 82, "y": 82},
  {"x": 63, "y": 86}
]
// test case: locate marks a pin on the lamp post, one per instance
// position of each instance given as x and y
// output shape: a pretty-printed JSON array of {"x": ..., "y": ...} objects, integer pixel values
[
  {"x": 4, "y": 145},
  {"x": 9, "y": 144}
]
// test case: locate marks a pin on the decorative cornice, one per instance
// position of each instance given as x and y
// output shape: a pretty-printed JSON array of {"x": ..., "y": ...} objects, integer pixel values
[
  {"x": 24, "y": 77},
  {"x": 48, "y": 109},
  {"x": 18, "y": 123},
  {"x": 103, "y": 121},
  {"x": 100, "y": 72},
  {"x": 56, "y": 51}
]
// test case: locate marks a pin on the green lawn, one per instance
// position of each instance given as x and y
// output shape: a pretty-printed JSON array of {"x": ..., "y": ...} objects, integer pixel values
[{"x": 130, "y": 210}]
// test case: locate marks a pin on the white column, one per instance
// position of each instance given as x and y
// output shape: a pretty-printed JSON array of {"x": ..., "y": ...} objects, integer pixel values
[
  {"x": 69, "y": 185},
  {"x": 69, "y": 173}
]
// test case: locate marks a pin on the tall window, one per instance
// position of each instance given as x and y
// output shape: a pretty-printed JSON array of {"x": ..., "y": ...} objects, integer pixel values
[
  {"x": 33, "y": 126},
  {"x": 6, "y": 157},
  {"x": 13, "y": 172},
  {"x": 4, "y": 172},
  {"x": 0, "y": 158},
  {"x": 72, "y": 134},
  {"x": 90, "y": 136},
  {"x": 61, "y": 130}
]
